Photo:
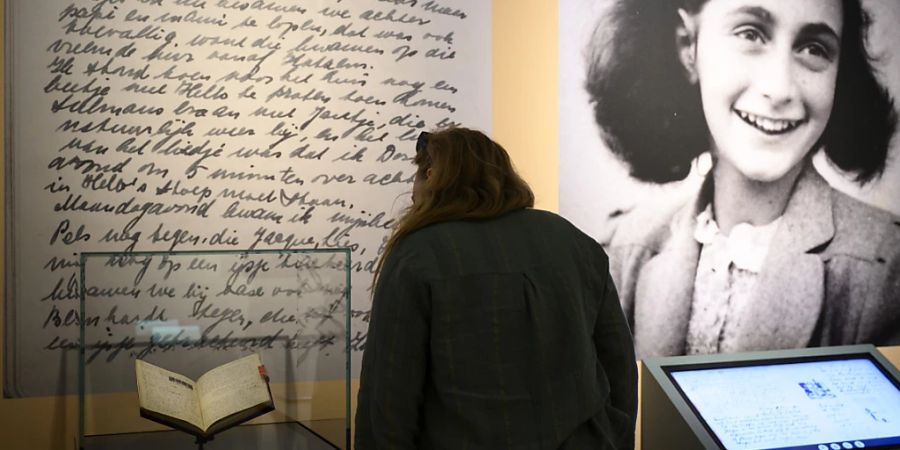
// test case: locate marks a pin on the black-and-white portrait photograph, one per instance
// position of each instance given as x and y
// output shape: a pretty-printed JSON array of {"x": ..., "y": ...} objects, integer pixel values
[{"x": 738, "y": 160}]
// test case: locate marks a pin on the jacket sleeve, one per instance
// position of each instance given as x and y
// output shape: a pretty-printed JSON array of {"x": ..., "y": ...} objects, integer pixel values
[
  {"x": 615, "y": 351},
  {"x": 394, "y": 362},
  {"x": 880, "y": 320}
]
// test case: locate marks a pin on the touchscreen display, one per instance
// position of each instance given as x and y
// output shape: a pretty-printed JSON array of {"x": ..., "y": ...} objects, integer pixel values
[{"x": 823, "y": 405}]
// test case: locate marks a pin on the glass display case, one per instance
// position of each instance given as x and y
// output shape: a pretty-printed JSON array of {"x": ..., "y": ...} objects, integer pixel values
[{"x": 192, "y": 312}]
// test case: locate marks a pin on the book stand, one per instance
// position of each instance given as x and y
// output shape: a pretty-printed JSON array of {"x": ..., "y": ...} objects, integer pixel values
[
  {"x": 202, "y": 440},
  {"x": 270, "y": 436}
]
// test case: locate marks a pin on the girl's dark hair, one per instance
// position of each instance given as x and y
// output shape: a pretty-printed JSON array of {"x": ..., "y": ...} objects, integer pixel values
[{"x": 652, "y": 117}]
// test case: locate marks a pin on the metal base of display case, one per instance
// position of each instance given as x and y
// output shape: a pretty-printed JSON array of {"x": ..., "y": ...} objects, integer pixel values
[{"x": 280, "y": 436}]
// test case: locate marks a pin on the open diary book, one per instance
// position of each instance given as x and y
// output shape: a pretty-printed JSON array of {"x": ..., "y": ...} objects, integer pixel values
[{"x": 221, "y": 398}]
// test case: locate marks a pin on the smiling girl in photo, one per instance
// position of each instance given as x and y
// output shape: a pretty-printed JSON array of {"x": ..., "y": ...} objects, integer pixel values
[{"x": 766, "y": 255}]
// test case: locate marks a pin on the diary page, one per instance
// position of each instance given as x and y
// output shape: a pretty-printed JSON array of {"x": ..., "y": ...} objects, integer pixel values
[
  {"x": 168, "y": 393},
  {"x": 232, "y": 388}
]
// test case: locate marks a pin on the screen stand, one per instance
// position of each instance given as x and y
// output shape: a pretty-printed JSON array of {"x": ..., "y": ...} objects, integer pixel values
[{"x": 200, "y": 441}]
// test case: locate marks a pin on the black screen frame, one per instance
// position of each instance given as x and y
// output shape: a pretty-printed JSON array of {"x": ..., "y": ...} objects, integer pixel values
[{"x": 662, "y": 368}]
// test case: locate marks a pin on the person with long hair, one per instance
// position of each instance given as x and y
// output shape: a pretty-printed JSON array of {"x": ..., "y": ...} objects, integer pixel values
[
  {"x": 494, "y": 325},
  {"x": 766, "y": 254}
]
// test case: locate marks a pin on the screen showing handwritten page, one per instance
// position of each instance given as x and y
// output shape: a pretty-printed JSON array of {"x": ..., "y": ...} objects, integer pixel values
[
  {"x": 161, "y": 125},
  {"x": 801, "y": 404}
]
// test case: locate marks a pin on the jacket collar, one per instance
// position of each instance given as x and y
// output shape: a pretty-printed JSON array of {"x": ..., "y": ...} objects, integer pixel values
[{"x": 789, "y": 292}]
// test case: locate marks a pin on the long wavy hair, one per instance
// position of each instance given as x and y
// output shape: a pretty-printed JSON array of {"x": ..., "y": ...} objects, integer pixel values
[{"x": 471, "y": 178}]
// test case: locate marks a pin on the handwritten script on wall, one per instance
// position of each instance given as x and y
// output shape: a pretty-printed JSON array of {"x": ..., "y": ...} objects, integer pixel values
[
  {"x": 175, "y": 125},
  {"x": 192, "y": 311}
]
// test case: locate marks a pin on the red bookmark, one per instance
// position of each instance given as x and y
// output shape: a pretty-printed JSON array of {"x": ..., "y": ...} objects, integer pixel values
[{"x": 263, "y": 373}]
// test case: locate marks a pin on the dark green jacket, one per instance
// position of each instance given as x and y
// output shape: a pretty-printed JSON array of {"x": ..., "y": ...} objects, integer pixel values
[{"x": 497, "y": 334}]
